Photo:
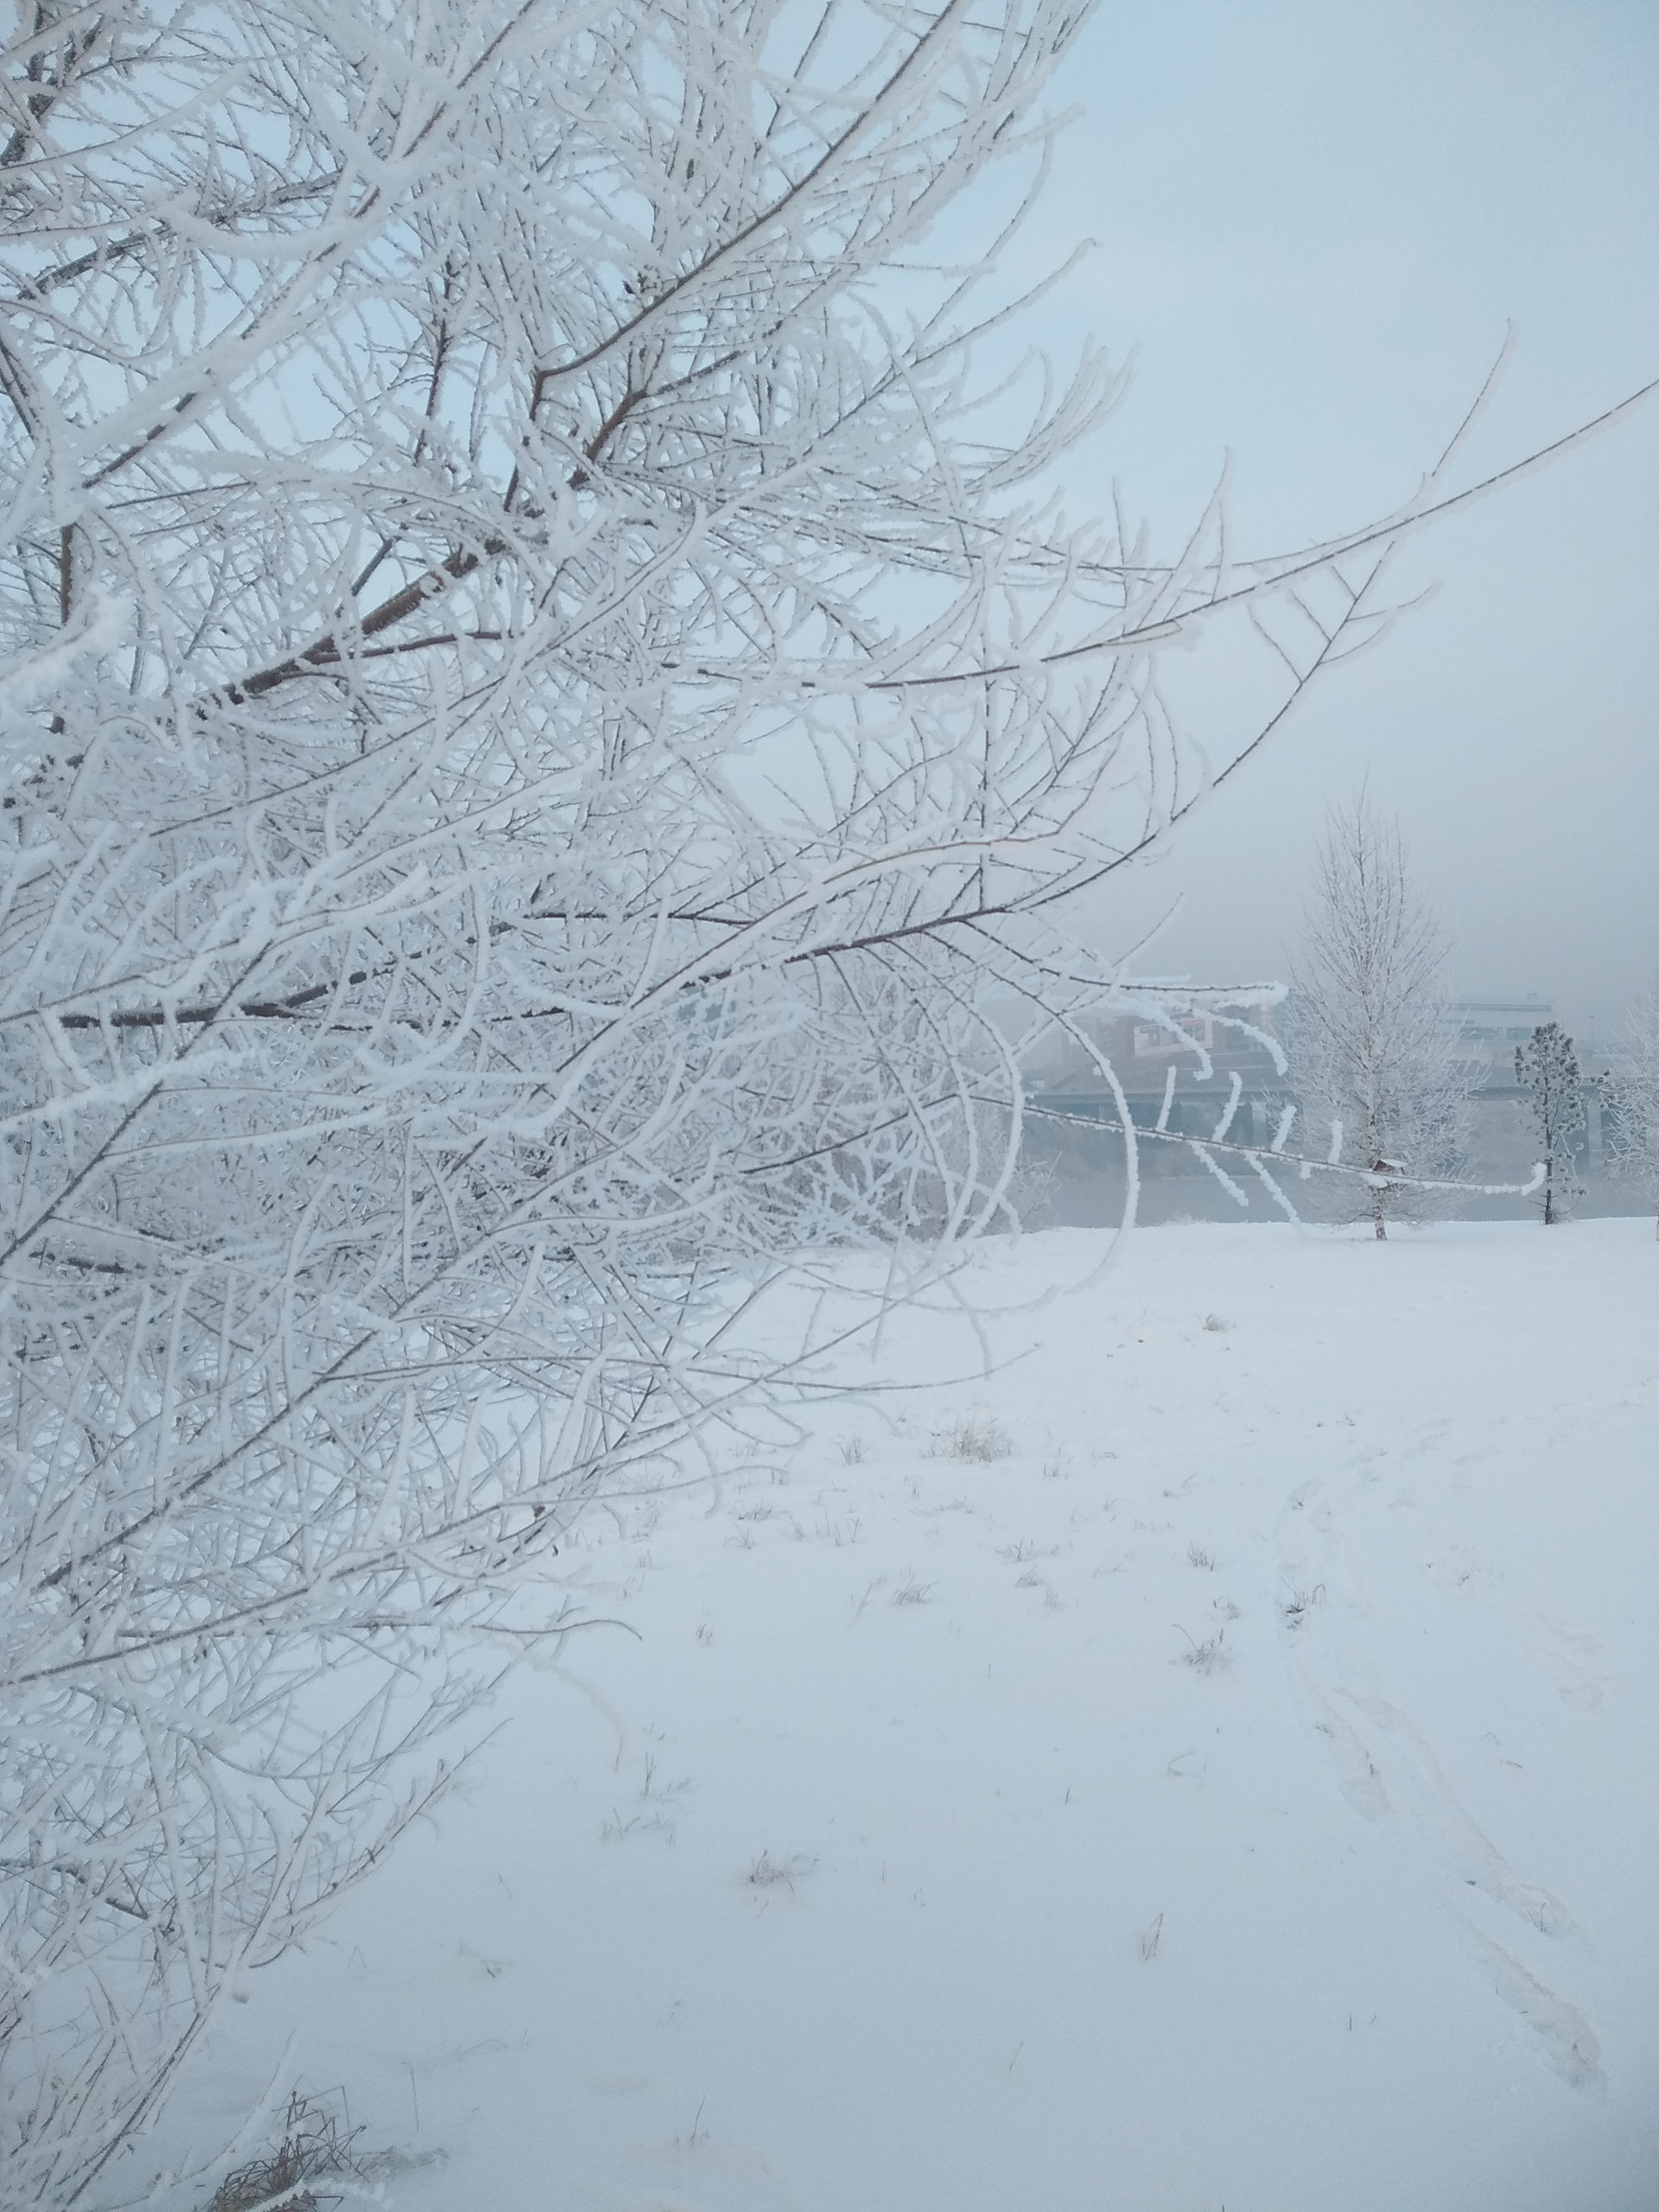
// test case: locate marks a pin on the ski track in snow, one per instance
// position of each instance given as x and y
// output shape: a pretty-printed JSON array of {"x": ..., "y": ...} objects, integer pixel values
[{"x": 1384, "y": 1762}]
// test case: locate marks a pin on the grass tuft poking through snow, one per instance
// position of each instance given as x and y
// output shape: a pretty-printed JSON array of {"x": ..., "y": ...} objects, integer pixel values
[
  {"x": 1295, "y": 1609},
  {"x": 1206, "y": 1657},
  {"x": 316, "y": 2146},
  {"x": 766, "y": 1873},
  {"x": 975, "y": 1437}
]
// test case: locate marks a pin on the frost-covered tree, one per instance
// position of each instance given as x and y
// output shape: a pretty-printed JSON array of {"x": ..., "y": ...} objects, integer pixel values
[
  {"x": 540, "y": 688},
  {"x": 1548, "y": 1073},
  {"x": 1373, "y": 1055},
  {"x": 1629, "y": 1100}
]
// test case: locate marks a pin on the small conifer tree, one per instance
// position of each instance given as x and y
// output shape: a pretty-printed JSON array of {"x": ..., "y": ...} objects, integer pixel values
[{"x": 1548, "y": 1071}]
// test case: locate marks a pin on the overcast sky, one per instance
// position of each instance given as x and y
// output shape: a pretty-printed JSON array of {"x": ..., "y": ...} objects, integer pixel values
[{"x": 1315, "y": 218}]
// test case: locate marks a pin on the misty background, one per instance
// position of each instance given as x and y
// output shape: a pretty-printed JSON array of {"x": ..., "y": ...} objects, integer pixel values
[{"x": 1314, "y": 226}]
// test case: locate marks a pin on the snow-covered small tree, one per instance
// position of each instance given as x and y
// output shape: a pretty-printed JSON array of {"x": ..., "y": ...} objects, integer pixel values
[
  {"x": 1547, "y": 1072},
  {"x": 1630, "y": 1102},
  {"x": 1373, "y": 1055}
]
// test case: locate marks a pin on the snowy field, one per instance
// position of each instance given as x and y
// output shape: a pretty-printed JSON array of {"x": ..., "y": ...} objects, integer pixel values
[{"x": 1239, "y": 1791}]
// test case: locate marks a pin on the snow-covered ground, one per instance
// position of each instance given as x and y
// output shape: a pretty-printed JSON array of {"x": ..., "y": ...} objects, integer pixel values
[{"x": 1241, "y": 1792}]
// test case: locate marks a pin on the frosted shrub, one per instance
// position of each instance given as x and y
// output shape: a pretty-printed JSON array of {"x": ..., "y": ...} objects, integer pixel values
[{"x": 1630, "y": 1104}]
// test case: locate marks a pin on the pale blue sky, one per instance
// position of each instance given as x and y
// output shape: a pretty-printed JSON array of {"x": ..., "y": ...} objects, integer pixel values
[{"x": 1314, "y": 219}]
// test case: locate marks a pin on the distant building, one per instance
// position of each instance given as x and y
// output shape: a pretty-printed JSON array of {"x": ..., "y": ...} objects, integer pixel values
[
  {"x": 1243, "y": 1091},
  {"x": 1488, "y": 1031},
  {"x": 1144, "y": 1054}
]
